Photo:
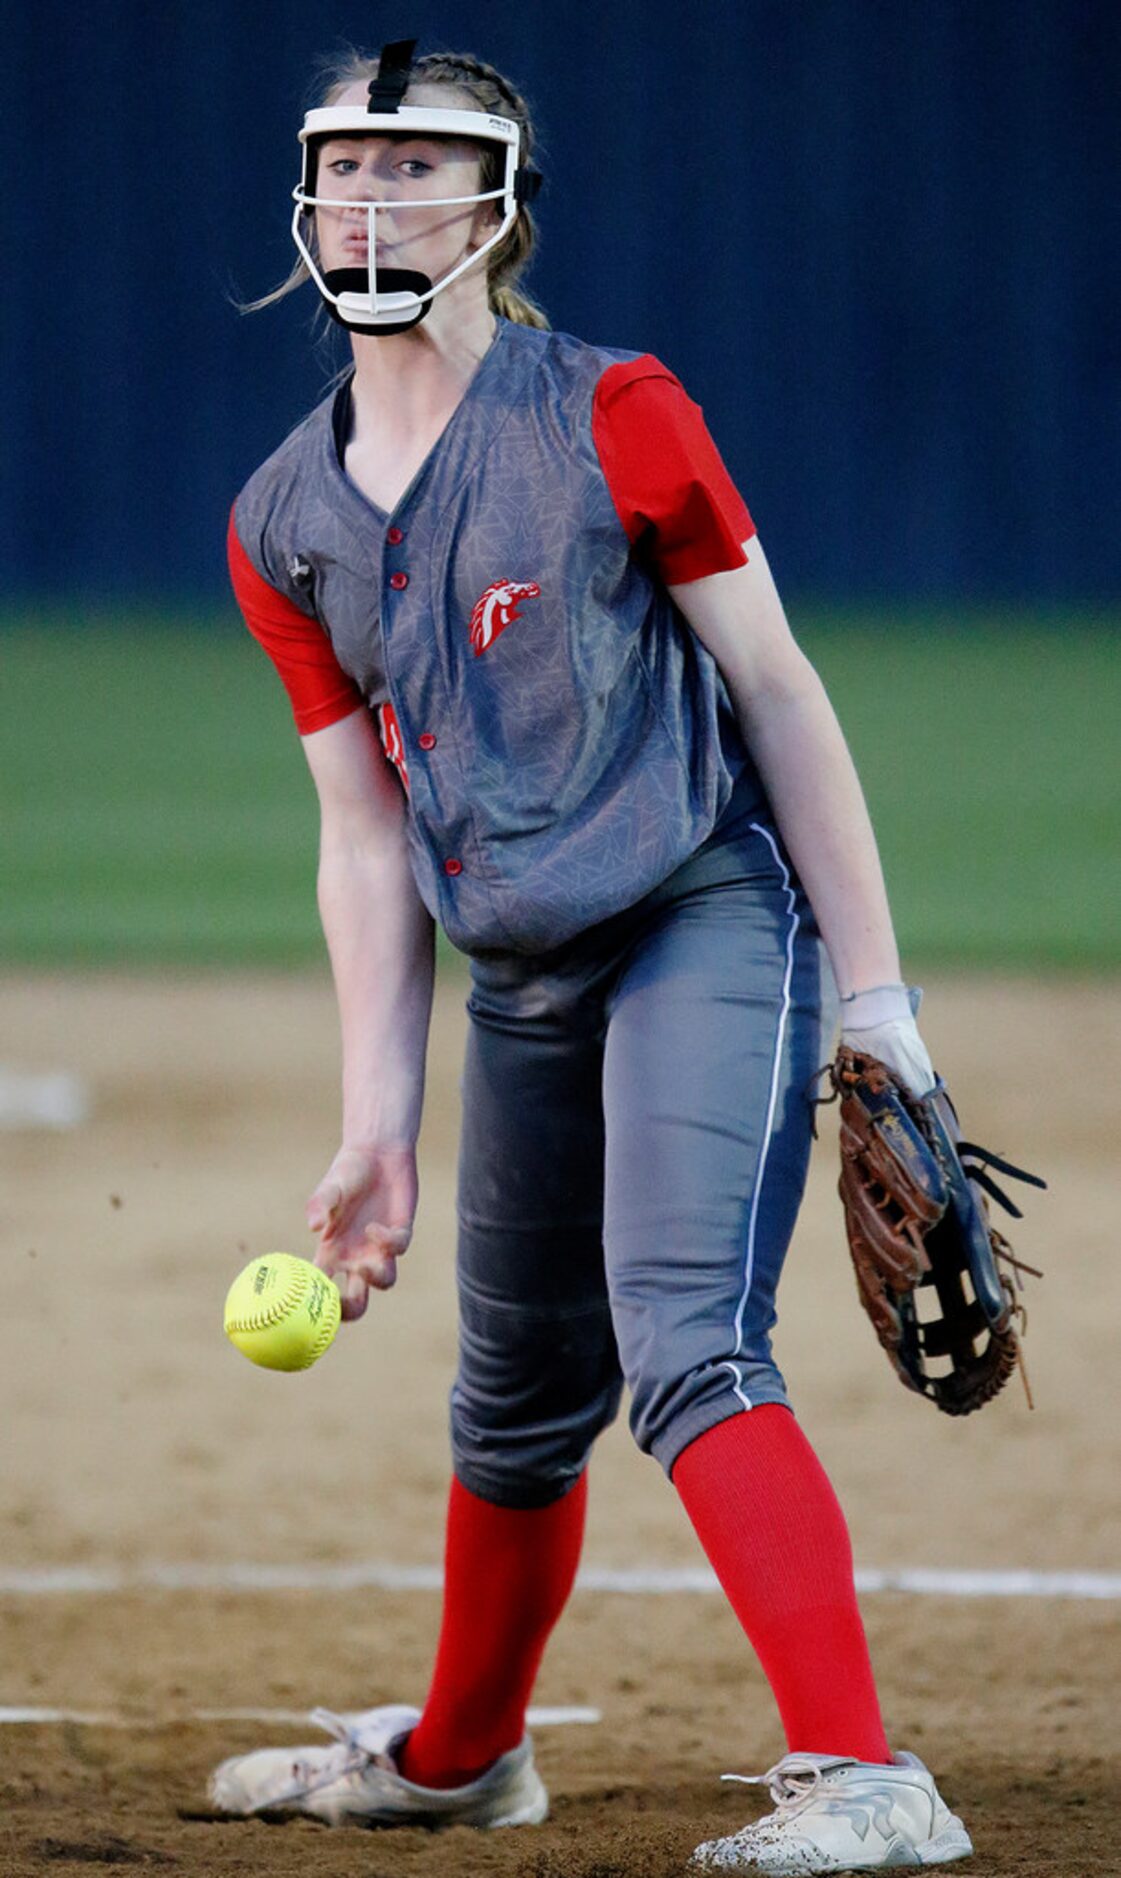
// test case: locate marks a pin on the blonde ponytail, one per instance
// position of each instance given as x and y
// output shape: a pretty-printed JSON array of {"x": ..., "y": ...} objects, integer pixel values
[{"x": 509, "y": 304}]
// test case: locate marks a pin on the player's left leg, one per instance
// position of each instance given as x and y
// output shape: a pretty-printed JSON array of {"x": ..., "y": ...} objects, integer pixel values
[{"x": 714, "y": 1036}]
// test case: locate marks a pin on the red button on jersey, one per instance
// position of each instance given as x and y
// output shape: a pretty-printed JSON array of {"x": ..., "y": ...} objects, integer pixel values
[
  {"x": 426, "y": 740},
  {"x": 452, "y": 866},
  {"x": 394, "y": 536},
  {"x": 399, "y": 581}
]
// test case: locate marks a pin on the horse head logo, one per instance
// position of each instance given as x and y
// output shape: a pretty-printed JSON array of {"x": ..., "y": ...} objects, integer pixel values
[{"x": 497, "y": 608}]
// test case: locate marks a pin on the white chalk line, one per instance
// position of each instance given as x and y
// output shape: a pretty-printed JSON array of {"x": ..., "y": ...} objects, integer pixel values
[
  {"x": 74, "y": 1580},
  {"x": 270, "y": 1717}
]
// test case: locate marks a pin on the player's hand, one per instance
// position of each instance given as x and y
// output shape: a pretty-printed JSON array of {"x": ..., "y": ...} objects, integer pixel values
[
  {"x": 881, "y": 1023},
  {"x": 362, "y": 1214}
]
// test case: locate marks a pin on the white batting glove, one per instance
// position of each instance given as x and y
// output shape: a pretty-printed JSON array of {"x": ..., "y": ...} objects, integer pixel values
[{"x": 881, "y": 1023}]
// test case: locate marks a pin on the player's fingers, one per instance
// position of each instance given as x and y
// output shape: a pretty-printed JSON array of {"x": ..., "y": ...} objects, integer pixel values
[
  {"x": 392, "y": 1241},
  {"x": 326, "y": 1259},
  {"x": 378, "y": 1269},
  {"x": 355, "y": 1295},
  {"x": 323, "y": 1206}
]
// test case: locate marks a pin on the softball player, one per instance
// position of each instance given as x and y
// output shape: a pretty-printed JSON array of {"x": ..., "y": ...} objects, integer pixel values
[{"x": 549, "y": 698}]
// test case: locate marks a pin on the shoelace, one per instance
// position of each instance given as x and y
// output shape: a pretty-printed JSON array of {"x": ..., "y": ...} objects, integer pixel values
[
  {"x": 791, "y": 1781},
  {"x": 346, "y": 1759}
]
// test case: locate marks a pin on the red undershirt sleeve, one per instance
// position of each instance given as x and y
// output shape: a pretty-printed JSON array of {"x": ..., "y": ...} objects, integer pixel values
[
  {"x": 319, "y": 690},
  {"x": 669, "y": 485}
]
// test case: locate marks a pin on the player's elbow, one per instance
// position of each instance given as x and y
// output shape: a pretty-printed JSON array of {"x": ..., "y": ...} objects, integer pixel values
[{"x": 777, "y": 677}]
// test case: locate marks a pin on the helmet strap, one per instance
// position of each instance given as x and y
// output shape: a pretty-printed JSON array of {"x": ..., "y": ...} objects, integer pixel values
[{"x": 395, "y": 64}]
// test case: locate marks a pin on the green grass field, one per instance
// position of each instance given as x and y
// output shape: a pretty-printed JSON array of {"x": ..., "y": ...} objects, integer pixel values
[{"x": 155, "y": 809}]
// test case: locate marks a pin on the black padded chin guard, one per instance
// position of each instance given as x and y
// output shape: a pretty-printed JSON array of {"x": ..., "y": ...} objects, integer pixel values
[{"x": 390, "y": 280}]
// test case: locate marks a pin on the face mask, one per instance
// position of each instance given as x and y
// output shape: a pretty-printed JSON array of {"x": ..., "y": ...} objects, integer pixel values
[{"x": 380, "y": 300}]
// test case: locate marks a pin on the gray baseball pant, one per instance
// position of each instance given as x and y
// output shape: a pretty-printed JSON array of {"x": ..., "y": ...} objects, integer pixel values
[{"x": 636, "y": 1133}]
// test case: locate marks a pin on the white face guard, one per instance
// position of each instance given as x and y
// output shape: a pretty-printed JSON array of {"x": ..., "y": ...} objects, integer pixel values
[{"x": 375, "y": 299}]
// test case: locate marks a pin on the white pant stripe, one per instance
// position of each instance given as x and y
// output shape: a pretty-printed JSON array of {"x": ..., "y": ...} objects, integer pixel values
[{"x": 772, "y": 1103}]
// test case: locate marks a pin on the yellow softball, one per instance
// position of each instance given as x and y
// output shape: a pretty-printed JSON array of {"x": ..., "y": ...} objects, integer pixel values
[{"x": 282, "y": 1312}]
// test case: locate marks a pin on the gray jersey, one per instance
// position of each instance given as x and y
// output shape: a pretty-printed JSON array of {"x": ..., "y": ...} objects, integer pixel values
[{"x": 566, "y": 741}]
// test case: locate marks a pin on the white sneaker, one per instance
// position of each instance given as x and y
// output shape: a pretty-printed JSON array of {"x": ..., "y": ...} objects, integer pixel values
[
  {"x": 833, "y": 1814},
  {"x": 355, "y": 1782}
]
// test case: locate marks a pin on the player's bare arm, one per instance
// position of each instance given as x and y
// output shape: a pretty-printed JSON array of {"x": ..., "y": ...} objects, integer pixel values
[
  {"x": 791, "y": 729},
  {"x": 799, "y": 749},
  {"x": 380, "y": 940}
]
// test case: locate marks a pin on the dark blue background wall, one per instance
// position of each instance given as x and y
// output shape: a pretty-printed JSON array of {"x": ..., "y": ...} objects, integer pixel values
[{"x": 877, "y": 238}]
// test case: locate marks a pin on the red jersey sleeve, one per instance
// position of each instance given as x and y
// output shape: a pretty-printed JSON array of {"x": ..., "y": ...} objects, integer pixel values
[
  {"x": 319, "y": 689},
  {"x": 669, "y": 485}
]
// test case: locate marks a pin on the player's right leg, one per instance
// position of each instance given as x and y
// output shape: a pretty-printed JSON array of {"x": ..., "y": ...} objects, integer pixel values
[
  {"x": 538, "y": 1374},
  {"x": 538, "y": 1378}
]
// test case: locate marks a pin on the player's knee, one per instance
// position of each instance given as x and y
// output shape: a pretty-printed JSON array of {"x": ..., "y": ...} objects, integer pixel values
[
  {"x": 672, "y": 1407},
  {"x": 529, "y": 1399},
  {"x": 530, "y": 1458}
]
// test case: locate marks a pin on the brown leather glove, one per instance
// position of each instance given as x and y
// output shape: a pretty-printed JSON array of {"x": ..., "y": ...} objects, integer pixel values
[{"x": 937, "y": 1280}]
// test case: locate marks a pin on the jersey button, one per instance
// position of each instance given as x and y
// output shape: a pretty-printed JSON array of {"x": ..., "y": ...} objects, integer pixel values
[
  {"x": 452, "y": 866},
  {"x": 426, "y": 740},
  {"x": 399, "y": 582},
  {"x": 394, "y": 536}
]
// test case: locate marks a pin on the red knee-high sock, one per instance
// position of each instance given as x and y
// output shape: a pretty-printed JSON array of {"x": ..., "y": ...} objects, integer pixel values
[
  {"x": 776, "y": 1538},
  {"x": 507, "y": 1576}
]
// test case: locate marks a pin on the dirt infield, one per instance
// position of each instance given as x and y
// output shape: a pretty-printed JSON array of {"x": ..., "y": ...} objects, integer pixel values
[{"x": 135, "y": 1436}]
